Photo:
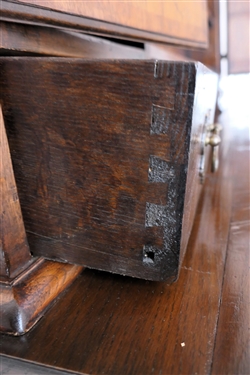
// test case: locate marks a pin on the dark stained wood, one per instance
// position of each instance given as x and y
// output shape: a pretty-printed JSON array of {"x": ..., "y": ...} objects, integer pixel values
[
  {"x": 25, "y": 300},
  {"x": 101, "y": 152},
  {"x": 232, "y": 344},
  {"x": 28, "y": 286},
  {"x": 119, "y": 325},
  {"x": 14, "y": 249},
  {"x": 181, "y": 23},
  {"x": 24, "y": 39}
]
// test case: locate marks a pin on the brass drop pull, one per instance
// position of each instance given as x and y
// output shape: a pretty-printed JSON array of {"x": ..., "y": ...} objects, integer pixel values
[
  {"x": 210, "y": 136},
  {"x": 213, "y": 139}
]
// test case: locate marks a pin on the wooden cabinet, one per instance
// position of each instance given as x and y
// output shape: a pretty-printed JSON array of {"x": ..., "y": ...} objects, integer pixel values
[
  {"x": 107, "y": 154},
  {"x": 107, "y": 323}
]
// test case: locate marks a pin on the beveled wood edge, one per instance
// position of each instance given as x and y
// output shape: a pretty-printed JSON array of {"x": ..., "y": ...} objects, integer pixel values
[
  {"x": 25, "y": 13},
  {"x": 26, "y": 299}
]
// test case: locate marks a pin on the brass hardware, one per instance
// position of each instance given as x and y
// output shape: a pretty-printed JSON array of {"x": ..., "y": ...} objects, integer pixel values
[
  {"x": 213, "y": 139},
  {"x": 210, "y": 136}
]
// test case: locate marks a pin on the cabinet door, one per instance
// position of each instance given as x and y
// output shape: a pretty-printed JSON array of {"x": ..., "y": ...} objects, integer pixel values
[
  {"x": 180, "y": 22},
  {"x": 106, "y": 156}
]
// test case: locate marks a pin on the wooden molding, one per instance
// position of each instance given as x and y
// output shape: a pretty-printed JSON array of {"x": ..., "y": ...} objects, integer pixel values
[{"x": 24, "y": 301}]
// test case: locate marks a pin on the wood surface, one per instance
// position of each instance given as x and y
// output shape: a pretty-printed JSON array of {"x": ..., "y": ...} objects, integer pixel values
[
  {"x": 119, "y": 325},
  {"x": 211, "y": 56},
  {"x": 14, "y": 249},
  {"x": 28, "y": 286},
  {"x": 232, "y": 350},
  {"x": 23, "y": 39},
  {"x": 24, "y": 301},
  {"x": 19, "y": 39},
  {"x": 107, "y": 161},
  {"x": 180, "y": 22}
]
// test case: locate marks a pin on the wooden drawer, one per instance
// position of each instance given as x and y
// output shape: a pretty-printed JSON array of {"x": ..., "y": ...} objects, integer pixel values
[{"x": 106, "y": 156}]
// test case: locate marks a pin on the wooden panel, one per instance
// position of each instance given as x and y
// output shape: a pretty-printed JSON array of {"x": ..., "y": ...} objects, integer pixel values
[
  {"x": 106, "y": 162},
  {"x": 238, "y": 37},
  {"x": 181, "y": 22}
]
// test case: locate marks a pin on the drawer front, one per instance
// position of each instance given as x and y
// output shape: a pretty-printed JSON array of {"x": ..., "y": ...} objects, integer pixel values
[{"x": 102, "y": 153}]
